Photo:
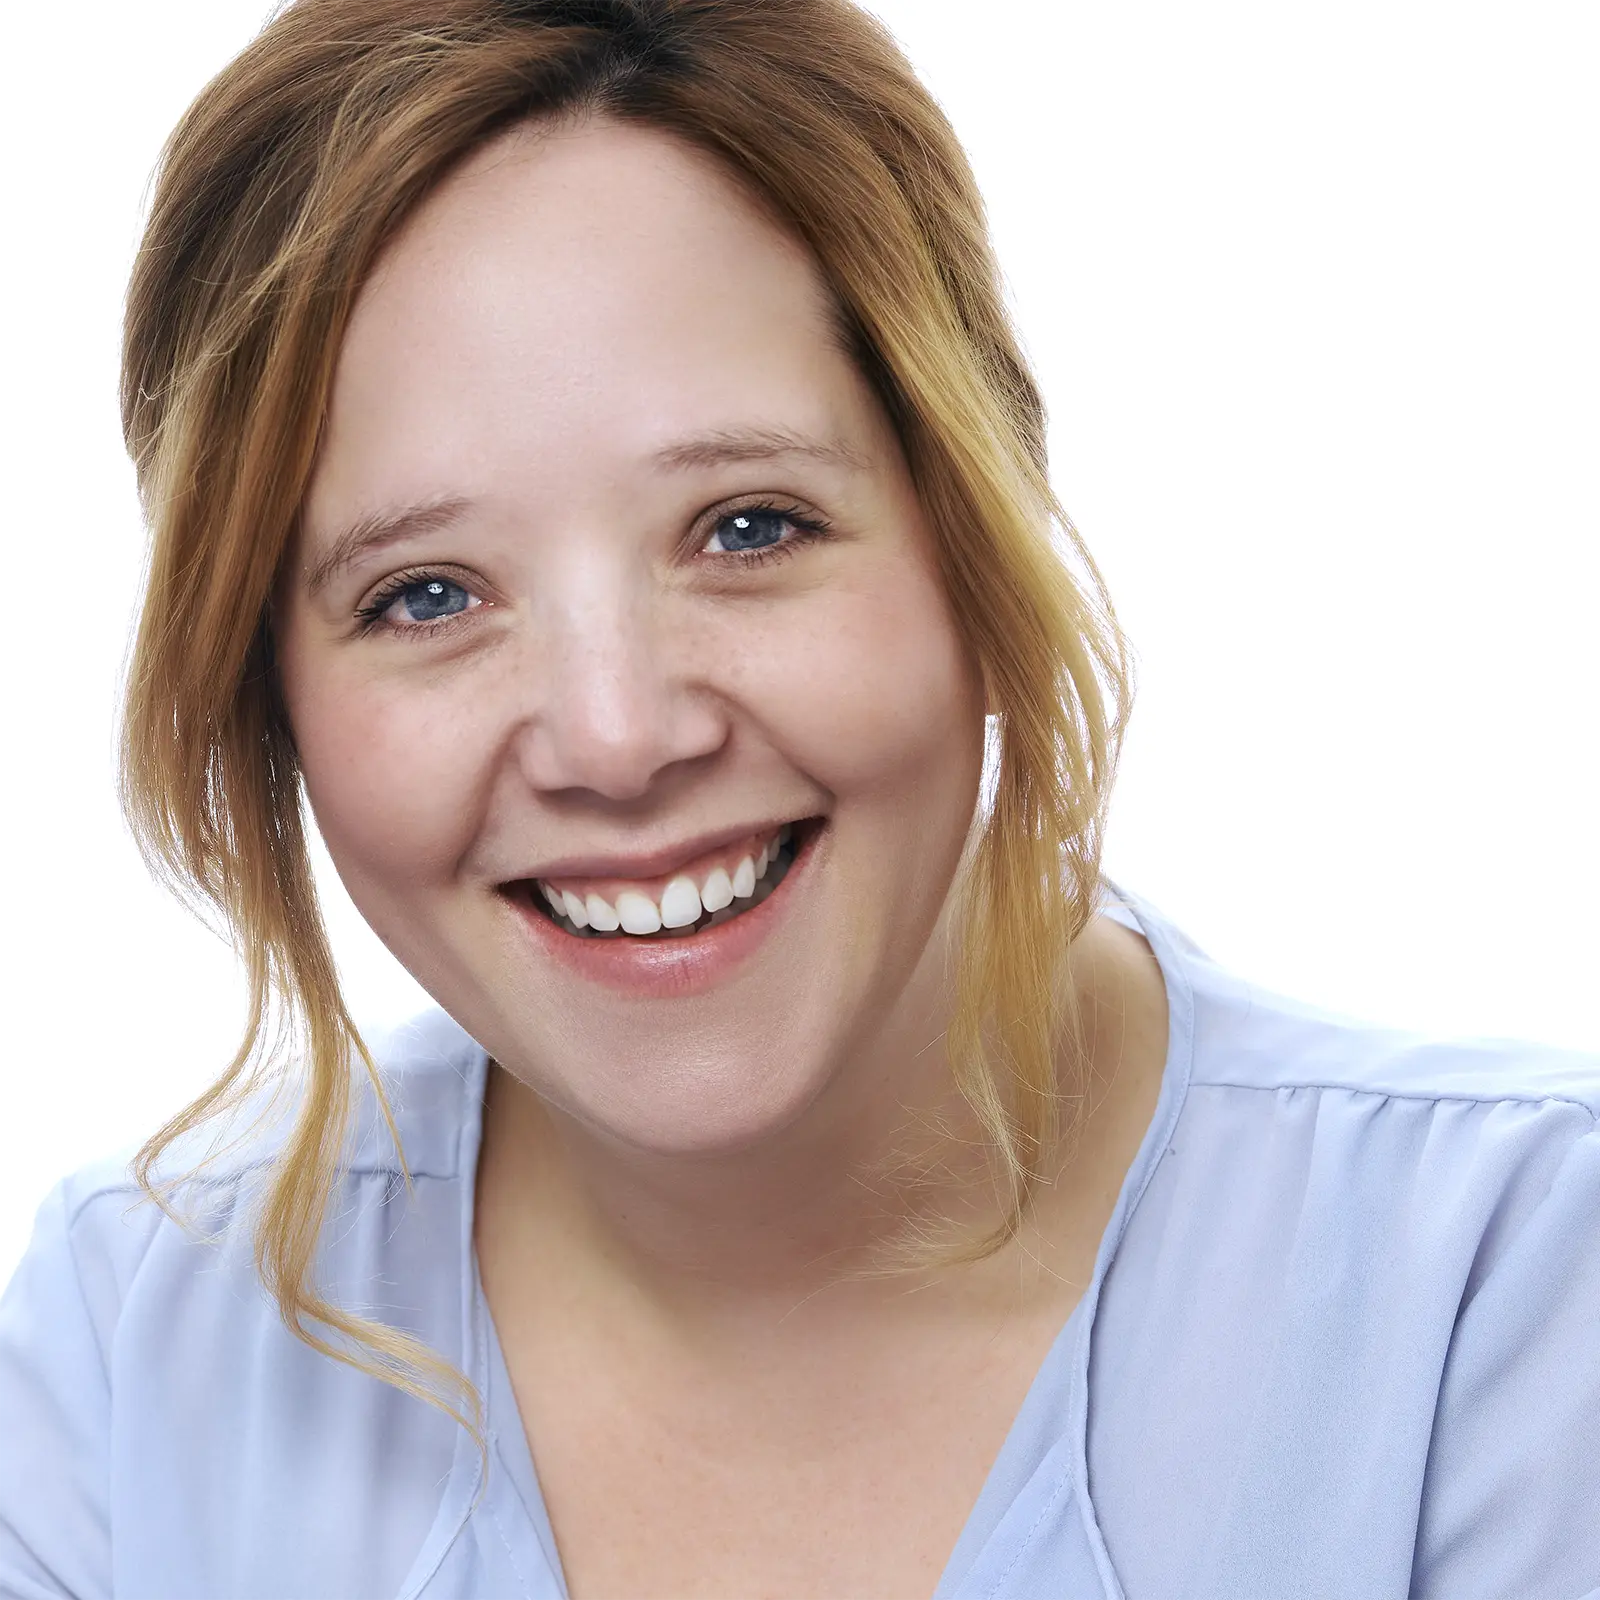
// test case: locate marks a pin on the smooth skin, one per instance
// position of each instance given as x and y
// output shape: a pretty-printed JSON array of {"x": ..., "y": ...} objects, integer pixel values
[{"x": 585, "y": 351}]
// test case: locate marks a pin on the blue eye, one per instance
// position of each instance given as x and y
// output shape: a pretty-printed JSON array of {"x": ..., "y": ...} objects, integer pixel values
[
  {"x": 418, "y": 599},
  {"x": 431, "y": 599},
  {"x": 754, "y": 531}
]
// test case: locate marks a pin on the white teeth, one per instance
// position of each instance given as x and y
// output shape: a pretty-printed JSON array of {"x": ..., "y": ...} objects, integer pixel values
[
  {"x": 601, "y": 915},
  {"x": 718, "y": 890},
  {"x": 680, "y": 903},
  {"x": 769, "y": 851},
  {"x": 637, "y": 913}
]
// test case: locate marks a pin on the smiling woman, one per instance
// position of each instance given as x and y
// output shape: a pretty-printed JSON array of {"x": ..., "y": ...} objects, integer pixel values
[{"x": 591, "y": 470}]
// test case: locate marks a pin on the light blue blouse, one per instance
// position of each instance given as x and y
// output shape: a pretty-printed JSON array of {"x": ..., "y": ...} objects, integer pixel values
[{"x": 1342, "y": 1341}]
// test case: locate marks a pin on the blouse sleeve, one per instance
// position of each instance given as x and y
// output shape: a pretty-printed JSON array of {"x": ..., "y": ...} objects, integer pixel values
[
  {"x": 1511, "y": 1497},
  {"x": 55, "y": 1406}
]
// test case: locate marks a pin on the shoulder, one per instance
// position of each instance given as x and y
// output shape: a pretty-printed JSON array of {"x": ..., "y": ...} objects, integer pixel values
[
  {"x": 116, "y": 1306},
  {"x": 1461, "y": 1136},
  {"x": 1360, "y": 1178},
  {"x": 98, "y": 1219},
  {"x": 99, "y": 1244},
  {"x": 1356, "y": 1294},
  {"x": 1233, "y": 1033},
  {"x": 1248, "y": 1037},
  {"x": 432, "y": 1072}
]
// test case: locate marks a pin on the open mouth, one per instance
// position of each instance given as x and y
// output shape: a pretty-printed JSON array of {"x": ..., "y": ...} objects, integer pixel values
[{"x": 686, "y": 904}]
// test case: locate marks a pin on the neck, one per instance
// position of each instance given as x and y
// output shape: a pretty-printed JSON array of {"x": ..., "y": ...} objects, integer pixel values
[
  {"x": 884, "y": 1155},
  {"x": 814, "y": 1202}
]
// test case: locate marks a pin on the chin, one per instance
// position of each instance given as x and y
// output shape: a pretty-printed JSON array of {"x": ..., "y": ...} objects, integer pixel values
[{"x": 706, "y": 1106}]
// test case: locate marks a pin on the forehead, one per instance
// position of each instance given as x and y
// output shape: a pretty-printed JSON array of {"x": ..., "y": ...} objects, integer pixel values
[{"x": 574, "y": 289}]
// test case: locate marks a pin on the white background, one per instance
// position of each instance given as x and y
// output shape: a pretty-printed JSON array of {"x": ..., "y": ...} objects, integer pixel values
[{"x": 1312, "y": 290}]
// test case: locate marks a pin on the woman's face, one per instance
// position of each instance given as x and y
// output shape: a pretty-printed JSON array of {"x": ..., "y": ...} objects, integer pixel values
[{"x": 638, "y": 579}]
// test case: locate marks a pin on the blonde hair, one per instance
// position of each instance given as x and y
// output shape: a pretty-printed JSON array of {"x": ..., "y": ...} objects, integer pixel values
[{"x": 275, "y": 193}]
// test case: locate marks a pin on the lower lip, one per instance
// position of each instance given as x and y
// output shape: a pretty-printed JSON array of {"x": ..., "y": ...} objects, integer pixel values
[{"x": 668, "y": 967}]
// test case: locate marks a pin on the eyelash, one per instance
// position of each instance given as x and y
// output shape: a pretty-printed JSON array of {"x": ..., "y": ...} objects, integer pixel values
[{"x": 808, "y": 529}]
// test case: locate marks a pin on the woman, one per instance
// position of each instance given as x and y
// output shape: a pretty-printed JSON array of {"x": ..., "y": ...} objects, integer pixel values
[{"x": 586, "y": 451}]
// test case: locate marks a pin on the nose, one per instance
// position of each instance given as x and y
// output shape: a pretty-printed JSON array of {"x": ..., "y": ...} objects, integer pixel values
[{"x": 620, "y": 699}]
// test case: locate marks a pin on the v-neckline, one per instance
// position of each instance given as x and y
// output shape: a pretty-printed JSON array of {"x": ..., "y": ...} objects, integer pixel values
[{"x": 1059, "y": 1388}]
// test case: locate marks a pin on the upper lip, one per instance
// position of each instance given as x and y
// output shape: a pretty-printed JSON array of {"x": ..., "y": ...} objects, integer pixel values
[{"x": 650, "y": 864}]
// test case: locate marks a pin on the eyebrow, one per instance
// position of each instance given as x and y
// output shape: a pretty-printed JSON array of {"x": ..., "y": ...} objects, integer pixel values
[
  {"x": 378, "y": 531},
  {"x": 723, "y": 445},
  {"x": 381, "y": 529}
]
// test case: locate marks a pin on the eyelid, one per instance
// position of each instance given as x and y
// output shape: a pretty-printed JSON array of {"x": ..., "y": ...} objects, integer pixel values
[
  {"x": 809, "y": 522},
  {"x": 369, "y": 614},
  {"x": 420, "y": 573}
]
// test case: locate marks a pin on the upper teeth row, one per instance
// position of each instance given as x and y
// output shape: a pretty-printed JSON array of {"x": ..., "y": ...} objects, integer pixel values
[{"x": 681, "y": 901}]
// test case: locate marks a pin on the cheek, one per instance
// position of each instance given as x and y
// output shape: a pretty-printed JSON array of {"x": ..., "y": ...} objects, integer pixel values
[
  {"x": 393, "y": 777},
  {"x": 871, "y": 685}
]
